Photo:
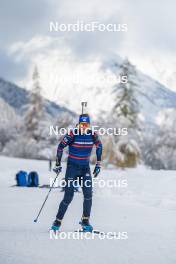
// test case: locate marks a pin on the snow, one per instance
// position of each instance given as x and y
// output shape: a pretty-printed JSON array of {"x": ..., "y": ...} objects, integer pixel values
[
  {"x": 145, "y": 209},
  {"x": 7, "y": 113}
]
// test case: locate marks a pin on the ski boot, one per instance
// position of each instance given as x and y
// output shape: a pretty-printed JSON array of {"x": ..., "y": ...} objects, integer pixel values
[
  {"x": 86, "y": 227},
  {"x": 56, "y": 225}
]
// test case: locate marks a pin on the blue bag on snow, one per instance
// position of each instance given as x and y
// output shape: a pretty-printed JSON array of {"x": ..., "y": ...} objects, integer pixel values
[
  {"x": 33, "y": 179},
  {"x": 21, "y": 178}
]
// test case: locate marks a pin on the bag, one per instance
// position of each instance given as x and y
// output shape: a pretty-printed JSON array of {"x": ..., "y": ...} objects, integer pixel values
[
  {"x": 21, "y": 178},
  {"x": 33, "y": 179}
]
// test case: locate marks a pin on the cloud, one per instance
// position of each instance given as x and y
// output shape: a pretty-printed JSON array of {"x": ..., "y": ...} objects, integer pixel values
[
  {"x": 21, "y": 50},
  {"x": 11, "y": 69},
  {"x": 152, "y": 24},
  {"x": 24, "y": 24},
  {"x": 21, "y": 20}
]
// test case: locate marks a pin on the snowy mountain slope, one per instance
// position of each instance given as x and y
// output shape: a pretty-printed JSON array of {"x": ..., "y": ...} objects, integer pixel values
[
  {"x": 145, "y": 210},
  {"x": 68, "y": 83},
  {"x": 7, "y": 113},
  {"x": 71, "y": 82},
  {"x": 17, "y": 99},
  {"x": 151, "y": 95}
]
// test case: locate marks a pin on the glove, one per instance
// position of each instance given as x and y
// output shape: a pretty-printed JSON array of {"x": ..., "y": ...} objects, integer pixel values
[
  {"x": 97, "y": 170},
  {"x": 58, "y": 168}
]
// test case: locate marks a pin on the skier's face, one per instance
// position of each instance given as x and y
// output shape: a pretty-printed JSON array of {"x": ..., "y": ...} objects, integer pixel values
[{"x": 84, "y": 127}]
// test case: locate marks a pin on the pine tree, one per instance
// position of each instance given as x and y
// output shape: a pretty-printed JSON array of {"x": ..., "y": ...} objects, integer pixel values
[
  {"x": 126, "y": 107},
  {"x": 35, "y": 111},
  {"x": 125, "y": 111}
]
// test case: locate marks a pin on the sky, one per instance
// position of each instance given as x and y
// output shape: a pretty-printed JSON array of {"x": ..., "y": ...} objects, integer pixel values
[{"x": 25, "y": 39}]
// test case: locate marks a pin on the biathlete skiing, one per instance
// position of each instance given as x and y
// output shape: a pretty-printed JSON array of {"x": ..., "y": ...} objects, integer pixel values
[{"x": 80, "y": 142}]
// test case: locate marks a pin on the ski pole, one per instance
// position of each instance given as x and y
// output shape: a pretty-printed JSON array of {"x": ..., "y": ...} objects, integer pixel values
[{"x": 35, "y": 220}]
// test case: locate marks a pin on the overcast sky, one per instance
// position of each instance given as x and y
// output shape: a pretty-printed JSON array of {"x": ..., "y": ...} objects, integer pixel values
[{"x": 150, "y": 42}]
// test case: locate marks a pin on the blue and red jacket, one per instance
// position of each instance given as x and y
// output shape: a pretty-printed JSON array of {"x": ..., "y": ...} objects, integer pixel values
[{"x": 80, "y": 147}]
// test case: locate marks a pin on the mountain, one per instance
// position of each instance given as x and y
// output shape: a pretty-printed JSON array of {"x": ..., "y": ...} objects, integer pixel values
[
  {"x": 152, "y": 96},
  {"x": 93, "y": 81},
  {"x": 7, "y": 112},
  {"x": 14, "y": 101}
]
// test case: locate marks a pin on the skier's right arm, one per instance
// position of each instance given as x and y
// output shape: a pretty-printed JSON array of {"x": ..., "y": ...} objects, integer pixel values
[{"x": 67, "y": 139}]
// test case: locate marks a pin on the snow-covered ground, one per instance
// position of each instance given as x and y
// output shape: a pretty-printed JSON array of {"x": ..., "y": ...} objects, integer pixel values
[{"x": 145, "y": 209}]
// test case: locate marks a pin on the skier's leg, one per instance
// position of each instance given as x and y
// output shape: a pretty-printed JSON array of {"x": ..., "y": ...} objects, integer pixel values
[
  {"x": 68, "y": 196},
  {"x": 69, "y": 192},
  {"x": 87, "y": 192},
  {"x": 87, "y": 203}
]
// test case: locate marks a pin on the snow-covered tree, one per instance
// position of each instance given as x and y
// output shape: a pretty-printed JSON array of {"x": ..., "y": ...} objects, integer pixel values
[
  {"x": 160, "y": 147},
  {"x": 125, "y": 114},
  {"x": 34, "y": 113},
  {"x": 126, "y": 107}
]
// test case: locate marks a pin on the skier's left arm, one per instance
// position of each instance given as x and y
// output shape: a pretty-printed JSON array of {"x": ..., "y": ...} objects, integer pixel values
[{"x": 99, "y": 150}]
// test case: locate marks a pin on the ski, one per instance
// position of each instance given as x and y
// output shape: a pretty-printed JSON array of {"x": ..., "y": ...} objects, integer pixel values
[{"x": 97, "y": 232}]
